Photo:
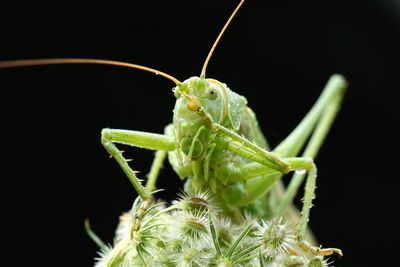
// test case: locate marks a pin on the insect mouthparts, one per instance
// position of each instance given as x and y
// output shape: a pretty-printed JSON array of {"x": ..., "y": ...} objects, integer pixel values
[{"x": 193, "y": 104}]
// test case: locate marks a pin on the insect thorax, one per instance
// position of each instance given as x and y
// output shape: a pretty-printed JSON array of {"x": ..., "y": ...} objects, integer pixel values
[{"x": 202, "y": 155}]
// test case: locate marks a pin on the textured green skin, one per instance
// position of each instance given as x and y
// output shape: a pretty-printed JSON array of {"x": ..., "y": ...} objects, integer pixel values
[{"x": 224, "y": 167}]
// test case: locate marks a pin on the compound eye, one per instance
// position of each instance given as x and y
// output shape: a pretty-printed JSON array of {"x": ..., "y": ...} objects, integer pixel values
[
  {"x": 212, "y": 92},
  {"x": 192, "y": 106}
]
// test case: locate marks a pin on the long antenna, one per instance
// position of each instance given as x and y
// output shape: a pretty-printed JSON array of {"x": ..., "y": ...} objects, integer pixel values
[
  {"x": 54, "y": 61},
  {"x": 203, "y": 70}
]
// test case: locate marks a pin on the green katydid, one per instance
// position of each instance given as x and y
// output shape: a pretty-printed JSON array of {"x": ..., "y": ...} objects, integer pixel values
[{"x": 214, "y": 142}]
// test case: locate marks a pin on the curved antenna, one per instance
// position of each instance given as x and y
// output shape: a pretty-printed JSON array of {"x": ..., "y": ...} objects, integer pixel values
[
  {"x": 203, "y": 70},
  {"x": 54, "y": 61}
]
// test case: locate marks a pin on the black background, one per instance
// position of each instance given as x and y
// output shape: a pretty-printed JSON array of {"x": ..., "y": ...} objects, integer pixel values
[{"x": 279, "y": 54}]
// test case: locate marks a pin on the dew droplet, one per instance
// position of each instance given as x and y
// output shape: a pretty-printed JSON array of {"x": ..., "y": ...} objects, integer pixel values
[{"x": 300, "y": 171}]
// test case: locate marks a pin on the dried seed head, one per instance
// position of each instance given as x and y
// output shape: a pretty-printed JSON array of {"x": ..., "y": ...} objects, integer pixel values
[
  {"x": 192, "y": 225},
  {"x": 194, "y": 203},
  {"x": 194, "y": 253},
  {"x": 277, "y": 236},
  {"x": 318, "y": 261},
  {"x": 182, "y": 235}
]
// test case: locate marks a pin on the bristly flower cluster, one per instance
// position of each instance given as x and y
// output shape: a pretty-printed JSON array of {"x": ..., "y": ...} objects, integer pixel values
[{"x": 193, "y": 233}]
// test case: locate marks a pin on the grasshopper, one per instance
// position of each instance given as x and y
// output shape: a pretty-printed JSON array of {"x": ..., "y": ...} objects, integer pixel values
[{"x": 216, "y": 144}]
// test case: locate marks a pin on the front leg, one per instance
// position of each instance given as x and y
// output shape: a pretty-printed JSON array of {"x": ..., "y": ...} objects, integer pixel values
[
  {"x": 302, "y": 166},
  {"x": 137, "y": 139}
]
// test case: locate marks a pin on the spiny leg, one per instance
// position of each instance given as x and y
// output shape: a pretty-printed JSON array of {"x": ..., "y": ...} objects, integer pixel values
[
  {"x": 309, "y": 195},
  {"x": 159, "y": 142},
  {"x": 311, "y": 150},
  {"x": 318, "y": 120},
  {"x": 306, "y": 164},
  {"x": 331, "y": 95},
  {"x": 335, "y": 88},
  {"x": 322, "y": 115},
  {"x": 256, "y": 186},
  {"x": 292, "y": 145},
  {"x": 137, "y": 139}
]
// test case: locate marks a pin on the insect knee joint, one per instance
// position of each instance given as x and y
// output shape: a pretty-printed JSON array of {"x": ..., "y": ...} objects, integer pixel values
[{"x": 105, "y": 135}]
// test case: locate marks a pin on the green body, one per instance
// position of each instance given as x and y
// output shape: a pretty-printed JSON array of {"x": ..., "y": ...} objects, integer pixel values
[
  {"x": 215, "y": 143},
  {"x": 202, "y": 155}
]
